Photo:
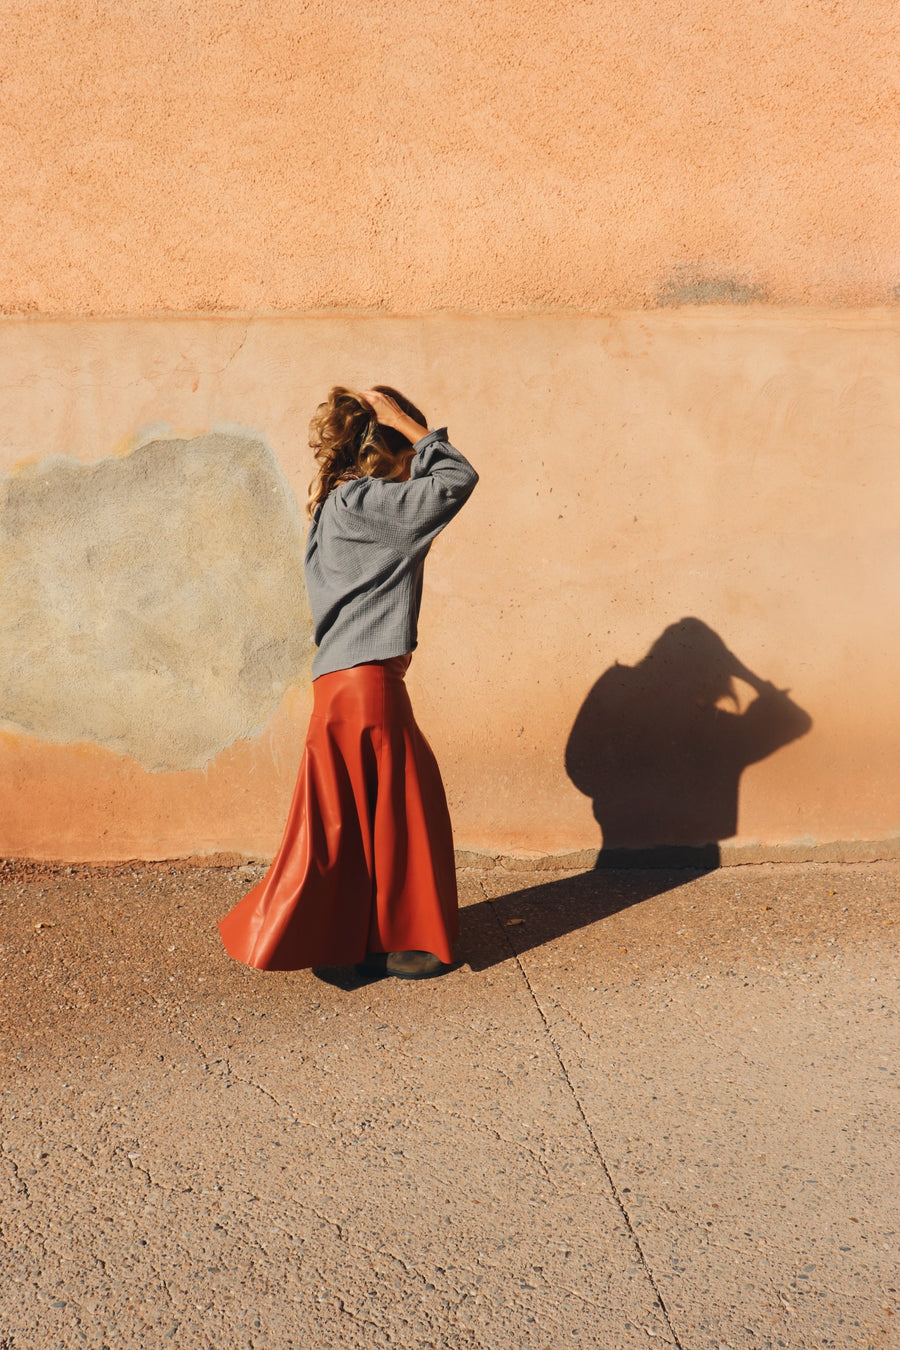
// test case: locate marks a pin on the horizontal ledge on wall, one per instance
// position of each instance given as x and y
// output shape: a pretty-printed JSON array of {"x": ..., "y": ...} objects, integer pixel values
[
  {"x": 836, "y": 310},
  {"x": 669, "y": 857},
  {"x": 693, "y": 857}
]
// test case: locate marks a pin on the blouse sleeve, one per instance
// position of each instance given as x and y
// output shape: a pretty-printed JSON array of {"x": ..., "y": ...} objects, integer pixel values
[{"x": 440, "y": 483}]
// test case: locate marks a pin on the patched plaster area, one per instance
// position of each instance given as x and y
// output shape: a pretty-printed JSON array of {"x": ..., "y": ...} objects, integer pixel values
[{"x": 154, "y": 604}]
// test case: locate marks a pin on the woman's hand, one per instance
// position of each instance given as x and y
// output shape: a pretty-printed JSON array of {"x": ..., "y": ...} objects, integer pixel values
[
  {"x": 390, "y": 414},
  {"x": 386, "y": 409}
]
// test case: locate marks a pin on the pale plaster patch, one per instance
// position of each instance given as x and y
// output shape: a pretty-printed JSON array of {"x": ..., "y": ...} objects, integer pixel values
[{"x": 154, "y": 604}]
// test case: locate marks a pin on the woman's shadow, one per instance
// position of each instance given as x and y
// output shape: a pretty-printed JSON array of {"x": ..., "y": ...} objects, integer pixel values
[{"x": 659, "y": 747}]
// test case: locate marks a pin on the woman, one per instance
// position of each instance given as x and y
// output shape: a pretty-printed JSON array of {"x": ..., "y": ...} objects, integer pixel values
[{"x": 365, "y": 872}]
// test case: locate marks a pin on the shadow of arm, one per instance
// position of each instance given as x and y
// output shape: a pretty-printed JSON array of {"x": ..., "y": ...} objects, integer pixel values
[{"x": 771, "y": 721}]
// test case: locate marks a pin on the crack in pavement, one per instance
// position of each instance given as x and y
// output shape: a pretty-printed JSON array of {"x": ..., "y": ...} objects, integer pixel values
[
  {"x": 228, "y": 1074},
  {"x": 20, "y": 1182},
  {"x": 595, "y": 1145},
  {"x": 493, "y": 1133}
]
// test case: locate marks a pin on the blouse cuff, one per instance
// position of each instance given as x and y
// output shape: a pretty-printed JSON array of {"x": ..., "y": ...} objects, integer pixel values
[{"x": 439, "y": 434}]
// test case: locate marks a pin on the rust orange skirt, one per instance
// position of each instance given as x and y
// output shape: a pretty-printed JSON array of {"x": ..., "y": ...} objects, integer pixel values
[{"x": 366, "y": 862}]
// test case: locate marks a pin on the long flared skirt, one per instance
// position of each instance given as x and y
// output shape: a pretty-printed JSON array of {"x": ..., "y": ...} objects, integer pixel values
[{"x": 366, "y": 863}]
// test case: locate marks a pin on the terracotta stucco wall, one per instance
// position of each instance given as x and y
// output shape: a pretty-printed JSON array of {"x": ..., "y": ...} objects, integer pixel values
[
  {"x": 642, "y": 259},
  {"x": 737, "y": 469}
]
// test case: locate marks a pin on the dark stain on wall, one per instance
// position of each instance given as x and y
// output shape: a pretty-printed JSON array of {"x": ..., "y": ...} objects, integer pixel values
[
  {"x": 153, "y": 604},
  {"x": 689, "y": 287}
]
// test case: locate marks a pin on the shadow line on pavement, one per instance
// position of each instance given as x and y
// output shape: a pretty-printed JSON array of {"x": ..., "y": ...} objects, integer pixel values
[{"x": 533, "y": 916}]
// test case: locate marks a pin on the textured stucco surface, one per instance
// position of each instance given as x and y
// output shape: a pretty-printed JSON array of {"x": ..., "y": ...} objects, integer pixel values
[
  {"x": 400, "y": 156},
  {"x": 152, "y": 603},
  {"x": 733, "y": 465}
]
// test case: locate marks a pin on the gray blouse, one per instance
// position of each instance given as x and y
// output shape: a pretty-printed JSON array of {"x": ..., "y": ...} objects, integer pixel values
[{"x": 365, "y": 555}]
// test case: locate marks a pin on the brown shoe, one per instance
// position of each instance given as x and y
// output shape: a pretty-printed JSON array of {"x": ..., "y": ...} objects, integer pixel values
[{"x": 414, "y": 965}]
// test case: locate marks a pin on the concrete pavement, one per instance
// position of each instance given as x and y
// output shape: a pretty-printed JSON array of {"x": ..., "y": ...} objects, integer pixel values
[{"x": 649, "y": 1108}]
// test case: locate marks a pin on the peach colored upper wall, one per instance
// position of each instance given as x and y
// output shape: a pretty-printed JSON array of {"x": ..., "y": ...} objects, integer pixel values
[{"x": 409, "y": 155}]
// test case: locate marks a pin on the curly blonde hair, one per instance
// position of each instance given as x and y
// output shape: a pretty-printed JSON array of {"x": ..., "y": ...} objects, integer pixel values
[{"x": 349, "y": 443}]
